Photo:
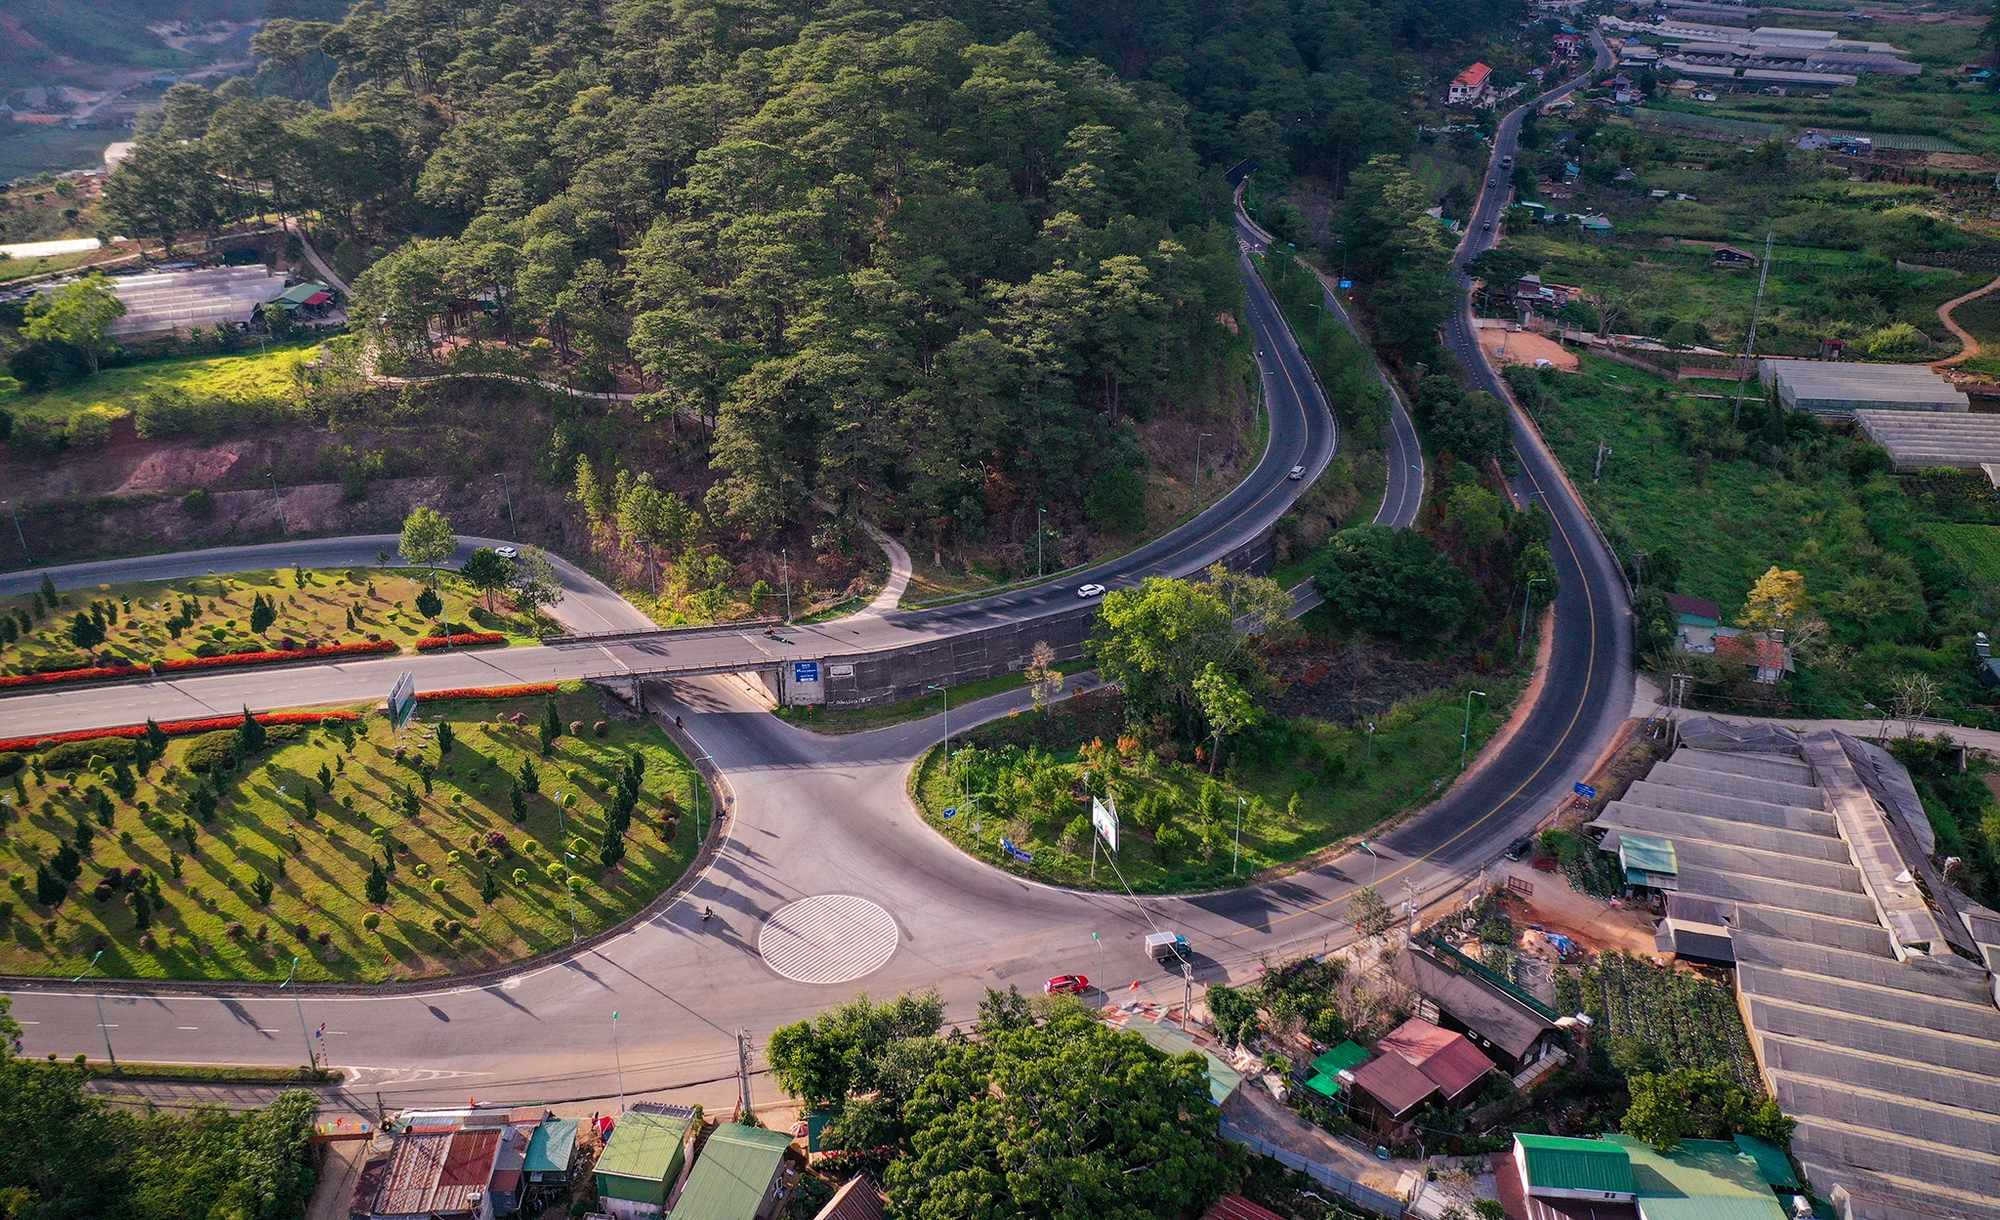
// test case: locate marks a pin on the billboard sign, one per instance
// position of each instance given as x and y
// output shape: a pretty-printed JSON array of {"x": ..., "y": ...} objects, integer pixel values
[
  {"x": 1105, "y": 819},
  {"x": 403, "y": 699}
]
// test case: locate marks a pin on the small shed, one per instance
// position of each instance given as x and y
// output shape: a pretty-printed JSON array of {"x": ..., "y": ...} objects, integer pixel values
[
  {"x": 1648, "y": 862},
  {"x": 551, "y": 1153},
  {"x": 641, "y": 1163},
  {"x": 1560, "y": 1167},
  {"x": 736, "y": 1177},
  {"x": 1222, "y": 1079},
  {"x": 1326, "y": 1078},
  {"x": 1731, "y": 256}
]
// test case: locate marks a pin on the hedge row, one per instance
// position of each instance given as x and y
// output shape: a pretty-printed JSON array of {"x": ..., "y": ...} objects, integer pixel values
[
  {"x": 469, "y": 639},
  {"x": 173, "y": 728},
  {"x": 488, "y": 692},
  {"x": 183, "y": 664}
]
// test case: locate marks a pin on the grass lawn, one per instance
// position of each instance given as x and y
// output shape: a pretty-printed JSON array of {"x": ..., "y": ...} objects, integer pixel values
[
  {"x": 241, "y": 376},
  {"x": 315, "y": 844},
  {"x": 861, "y": 719},
  {"x": 1975, "y": 548},
  {"x": 314, "y": 607},
  {"x": 20, "y": 268},
  {"x": 1311, "y": 786}
]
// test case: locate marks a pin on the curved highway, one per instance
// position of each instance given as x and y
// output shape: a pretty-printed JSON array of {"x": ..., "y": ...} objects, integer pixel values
[{"x": 814, "y": 815}]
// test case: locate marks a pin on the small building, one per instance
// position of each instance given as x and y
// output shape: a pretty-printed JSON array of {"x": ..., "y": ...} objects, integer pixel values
[
  {"x": 858, "y": 1198},
  {"x": 1916, "y": 440},
  {"x": 1695, "y": 621},
  {"x": 307, "y": 300},
  {"x": 1566, "y": 44},
  {"x": 1331, "y": 1071},
  {"x": 1839, "y": 388},
  {"x": 1594, "y": 224},
  {"x": 1696, "y": 930},
  {"x": 437, "y": 1173},
  {"x": 1731, "y": 256},
  {"x": 1470, "y": 85},
  {"x": 642, "y": 1161},
  {"x": 1561, "y": 1169},
  {"x": 738, "y": 1176},
  {"x": 1223, "y": 1080},
  {"x": 1644, "y": 861},
  {"x": 551, "y": 1158},
  {"x": 1512, "y": 1030},
  {"x": 1418, "y": 1062}
]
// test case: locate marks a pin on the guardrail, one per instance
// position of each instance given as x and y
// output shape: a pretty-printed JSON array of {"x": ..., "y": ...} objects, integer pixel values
[
  {"x": 612, "y": 637},
  {"x": 1342, "y": 1185}
]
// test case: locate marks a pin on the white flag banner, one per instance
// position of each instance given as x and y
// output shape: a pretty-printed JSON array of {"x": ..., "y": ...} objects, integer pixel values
[{"x": 1105, "y": 818}]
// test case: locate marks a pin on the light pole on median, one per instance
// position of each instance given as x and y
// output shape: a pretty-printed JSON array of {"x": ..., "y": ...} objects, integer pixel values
[
  {"x": 1527, "y": 606},
  {"x": 1374, "y": 862},
  {"x": 1465, "y": 736},
  {"x": 97, "y": 993},
  {"x": 16, "y": 514},
  {"x": 569, "y": 880},
  {"x": 619, "y": 1060},
  {"x": 1100, "y": 962},
  {"x": 699, "y": 837},
  {"x": 512, "y": 524},
  {"x": 304, "y": 1034},
  {"x": 946, "y": 742}
]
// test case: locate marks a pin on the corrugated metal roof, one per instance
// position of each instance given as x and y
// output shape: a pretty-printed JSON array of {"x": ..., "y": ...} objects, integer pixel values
[
  {"x": 1340, "y": 1058},
  {"x": 1557, "y": 1162},
  {"x": 1647, "y": 854},
  {"x": 1391, "y": 1080},
  {"x": 857, "y": 1199},
  {"x": 437, "y": 1172},
  {"x": 1222, "y": 1079},
  {"x": 733, "y": 1174},
  {"x": 552, "y": 1147},
  {"x": 1771, "y": 1162},
  {"x": 642, "y": 1146}
]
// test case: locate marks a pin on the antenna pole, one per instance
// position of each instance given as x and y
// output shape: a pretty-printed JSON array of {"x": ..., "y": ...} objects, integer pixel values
[{"x": 1750, "y": 346}]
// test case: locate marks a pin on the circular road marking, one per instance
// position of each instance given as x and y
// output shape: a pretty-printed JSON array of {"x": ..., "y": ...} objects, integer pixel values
[{"x": 828, "y": 938}]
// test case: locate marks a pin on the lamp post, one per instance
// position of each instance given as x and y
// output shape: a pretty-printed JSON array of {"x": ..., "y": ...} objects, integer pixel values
[
  {"x": 1236, "y": 852},
  {"x": 1199, "y": 438},
  {"x": 699, "y": 837},
  {"x": 512, "y": 524},
  {"x": 785, "y": 565},
  {"x": 1374, "y": 862},
  {"x": 1041, "y": 531},
  {"x": 1527, "y": 605},
  {"x": 1368, "y": 751},
  {"x": 563, "y": 834},
  {"x": 16, "y": 514},
  {"x": 299, "y": 1004},
  {"x": 279, "y": 501},
  {"x": 1100, "y": 962},
  {"x": 1465, "y": 735},
  {"x": 97, "y": 993},
  {"x": 945, "y": 742},
  {"x": 619, "y": 1060}
]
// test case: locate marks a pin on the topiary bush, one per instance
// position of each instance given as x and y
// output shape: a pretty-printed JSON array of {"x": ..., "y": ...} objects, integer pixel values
[
  {"x": 372, "y": 920},
  {"x": 212, "y": 753},
  {"x": 77, "y": 755}
]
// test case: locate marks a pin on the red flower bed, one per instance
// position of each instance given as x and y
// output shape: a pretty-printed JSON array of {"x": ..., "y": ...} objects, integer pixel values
[
  {"x": 174, "y": 728},
  {"x": 469, "y": 639},
  {"x": 186, "y": 663},
  {"x": 488, "y": 692}
]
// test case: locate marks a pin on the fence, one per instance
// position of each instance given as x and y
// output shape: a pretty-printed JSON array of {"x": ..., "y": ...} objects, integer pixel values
[{"x": 1347, "y": 1188}]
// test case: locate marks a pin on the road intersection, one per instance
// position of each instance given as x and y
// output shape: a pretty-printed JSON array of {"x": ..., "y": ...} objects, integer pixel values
[{"x": 813, "y": 816}]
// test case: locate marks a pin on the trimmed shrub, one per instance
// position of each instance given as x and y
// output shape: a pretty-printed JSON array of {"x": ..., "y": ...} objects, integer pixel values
[
  {"x": 78, "y": 755},
  {"x": 212, "y": 753}
]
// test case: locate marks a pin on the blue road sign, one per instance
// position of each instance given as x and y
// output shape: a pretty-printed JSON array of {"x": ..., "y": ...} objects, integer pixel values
[
  {"x": 1586, "y": 791},
  {"x": 951, "y": 812},
  {"x": 1347, "y": 283},
  {"x": 805, "y": 671},
  {"x": 1007, "y": 845}
]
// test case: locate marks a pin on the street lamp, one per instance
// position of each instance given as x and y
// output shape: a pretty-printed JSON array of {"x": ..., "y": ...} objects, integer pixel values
[
  {"x": 1527, "y": 605},
  {"x": 299, "y": 1004},
  {"x": 570, "y": 879},
  {"x": 279, "y": 501},
  {"x": 1465, "y": 735},
  {"x": 512, "y": 524},
  {"x": 619, "y": 1060},
  {"x": 1199, "y": 438},
  {"x": 98, "y": 994},
  {"x": 1100, "y": 962},
  {"x": 16, "y": 514},
  {"x": 1041, "y": 531},
  {"x": 785, "y": 564},
  {"x": 1374, "y": 862},
  {"x": 1236, "y": 852},
  {"x": 699, "y": 837},
  {"x": 1368, "y": 751}
]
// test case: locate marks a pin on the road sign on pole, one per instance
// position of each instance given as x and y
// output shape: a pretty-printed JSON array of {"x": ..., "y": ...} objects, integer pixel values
[
  {"x": 1105, "y": 819},
  {"x": 1007, "y": 845},
  {"x": 1587, "y": 791},
  {"x": 403, "y": 699}
]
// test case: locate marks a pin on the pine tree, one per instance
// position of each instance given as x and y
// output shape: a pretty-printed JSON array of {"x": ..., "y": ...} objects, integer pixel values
[
  {"x": 489, "y": 888},
  {"x": 250, "y": 736},
  {"x": 260, "y": 890},
  {"x": 101, "y": 805},
  {"x": 263, "y": 612},
  {"x": 377, "y": 887},
  {"x": 142, "y": 909},
  {"x": 446, "y": 739},
  {"x": 49, "y": 888},
  {"x": 531, "y": 780},
  {"x": 518, "y": 799},
  {"x": 551, "y": 725}
]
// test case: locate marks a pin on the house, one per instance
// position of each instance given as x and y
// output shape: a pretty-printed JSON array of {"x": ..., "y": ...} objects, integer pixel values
[
  {"x": 436, "y": 1172},
  {"x": 306, "y": 300},
  {"x": 1417, "y": 1063},
  {"x": 1645, "y": 862},
  {"x": 1561, "y": 1169},
  {"x": 1594, "y": 224},
  {"x": 1470, "y": 85},
  {"x": 857, "y": 1199},
  {"x": 1696, "y": 930},
  {"x": 1615, "y": 1177},
  {"x": 1696, "y": 619},
  {"x": 1508, "y": 1027},
  {"x": 551, "y": 1155},
  {"x": 738, "y": 1176},
  {"x": 1566, "y": 44},
  {"x": 642, "y": 1161}
]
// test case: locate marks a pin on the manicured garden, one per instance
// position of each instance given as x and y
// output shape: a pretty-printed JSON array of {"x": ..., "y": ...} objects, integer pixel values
[
  {"x": 211, "y": 621},
  {"x": 1301, "y": 785},
  {"x": 469, "y": 840}
]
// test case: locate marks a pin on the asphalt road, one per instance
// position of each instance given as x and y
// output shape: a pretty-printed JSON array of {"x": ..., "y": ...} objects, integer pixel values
[{"x": 815, "y": 815}]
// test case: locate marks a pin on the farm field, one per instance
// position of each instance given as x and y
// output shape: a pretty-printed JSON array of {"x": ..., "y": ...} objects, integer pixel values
[
  {"x": 149, "y": 621},
  {"x": 196, "y": 867},
  {"x": 255, "y": 376},
  {"x": 1692, "y": 1021},
  {"x": 1974, "y": 548}
]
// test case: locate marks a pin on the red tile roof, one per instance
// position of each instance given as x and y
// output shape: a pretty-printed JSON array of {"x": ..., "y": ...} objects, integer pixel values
[
  {"x": 1474, "y": 76},
  {"x": 1235, "y": 1207}
]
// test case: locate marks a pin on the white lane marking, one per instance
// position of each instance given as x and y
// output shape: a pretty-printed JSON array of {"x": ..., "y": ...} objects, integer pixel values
[
  {"x": 828, "y": 938},
  {"x": 187, "y": 1027}
]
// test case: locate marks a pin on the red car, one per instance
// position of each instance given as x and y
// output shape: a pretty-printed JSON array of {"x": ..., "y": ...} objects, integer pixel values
[{"x": 1066, "y": 984}]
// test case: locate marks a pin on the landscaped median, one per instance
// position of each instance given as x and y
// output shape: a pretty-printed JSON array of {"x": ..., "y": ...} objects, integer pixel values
[
  {"x": 467, "y": 639},
  {"x": 223, "y": 848},
  {"x": 183, "y": 664}
]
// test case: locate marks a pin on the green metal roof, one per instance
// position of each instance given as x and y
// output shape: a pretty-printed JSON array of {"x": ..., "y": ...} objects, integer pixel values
[
  {"x": 1712, "y": 1171},
  {"x": 643, "y": 1146},
  {"x": 297, "y": 293},
  {"x": 732, "y": 1173},
  {"x": 1222, "y": 1079},
  {"x": 1341, "y": 1058},
  {"x": 1647, "y": 854},
  {"x": 1558, "y": 1162},
  {"x": 552, "y": 1147},
  {"x": 1771, "y": 1162},
  {"x": 1710, "y": 1207},
  {"x": 1323, "y": 1084}
]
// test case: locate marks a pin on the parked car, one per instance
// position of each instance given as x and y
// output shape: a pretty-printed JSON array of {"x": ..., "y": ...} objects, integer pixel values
[
  {"x": 1066, "y": 984},
  {"x": 1520, "y": 847},
  {"x": 1298, "y": 472},
  {"x": 1090, "y": 590}
]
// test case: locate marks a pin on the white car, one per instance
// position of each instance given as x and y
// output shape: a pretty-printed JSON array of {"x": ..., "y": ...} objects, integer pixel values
[
  {"x": 507, "y": 552},
  {"x": 1298, "y": 472},
  {"x": 1090, "y": 590}
]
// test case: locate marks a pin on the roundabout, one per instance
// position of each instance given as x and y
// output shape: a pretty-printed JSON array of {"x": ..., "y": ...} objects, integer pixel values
[{"x": 828, "y": 938}]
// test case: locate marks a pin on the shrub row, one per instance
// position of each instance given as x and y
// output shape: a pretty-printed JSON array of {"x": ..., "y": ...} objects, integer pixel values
[
  {"x": 98, "y": 672},
  {"x": 469, "y": 639},
  {"x": 488, "y": 692},
  {"x": 175, "y": 728}
]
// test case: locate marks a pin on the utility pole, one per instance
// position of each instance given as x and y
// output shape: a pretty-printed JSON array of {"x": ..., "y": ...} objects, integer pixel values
[
  {"x": 16, "y": 514},
  {"x": 619, "y": 1060},
  {"x": 699, "y": 837},
  {"x": 785, "y": 563},
  {"x": 1041, "y": 531},
  {"x": 743, "y": 1071},
  {"x": 1527, "y": 605},
  {"x": 945, "y": 742},
  {"x": 1100, "y": 962},
  {"x": 1187, "y": 996},
  {"x": 1603, "y": 451},
  {"x": 279, "y": 501},
  {"x": 1368, "y": 752},
  {"x": 512, "y": 524},
  {"x": 311, "y": 1057},
  {"x": 1465, "y": 737},
  {"x": 1236, "y": 852},
  {"x": 1750, "y": 344},
  {"x": 97, "y": 993}
]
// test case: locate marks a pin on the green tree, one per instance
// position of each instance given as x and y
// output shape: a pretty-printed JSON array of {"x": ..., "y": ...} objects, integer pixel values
[
  {"x": 85, "y": 632},
  {"x": 489, "y": 887},
  {"x": 1393, "y": 583},
  {"x": 551, "y": 728},
  {"x": 1370, "y": 915},
  {"x": 427, "y": 538},
  {"x": 1659, "y": 1111},
  {"x": 537, "y": 585},
  {"x": 531, "y": 780},
  {"x": 263, "y": 612},
  {"x": 1155, "y": 640},
  {"x": 1234, "y": 1013},
  {"x": 428, "y": 603},
  {"x": 250, "y": 736},
  {"x": 376, "y": 888},
  {"x": 487, "y": 571},
  {"x": 840, "y": 1052},
  {"x": 1225, "y": 705},
  {"x": 79, "y": 314}
]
